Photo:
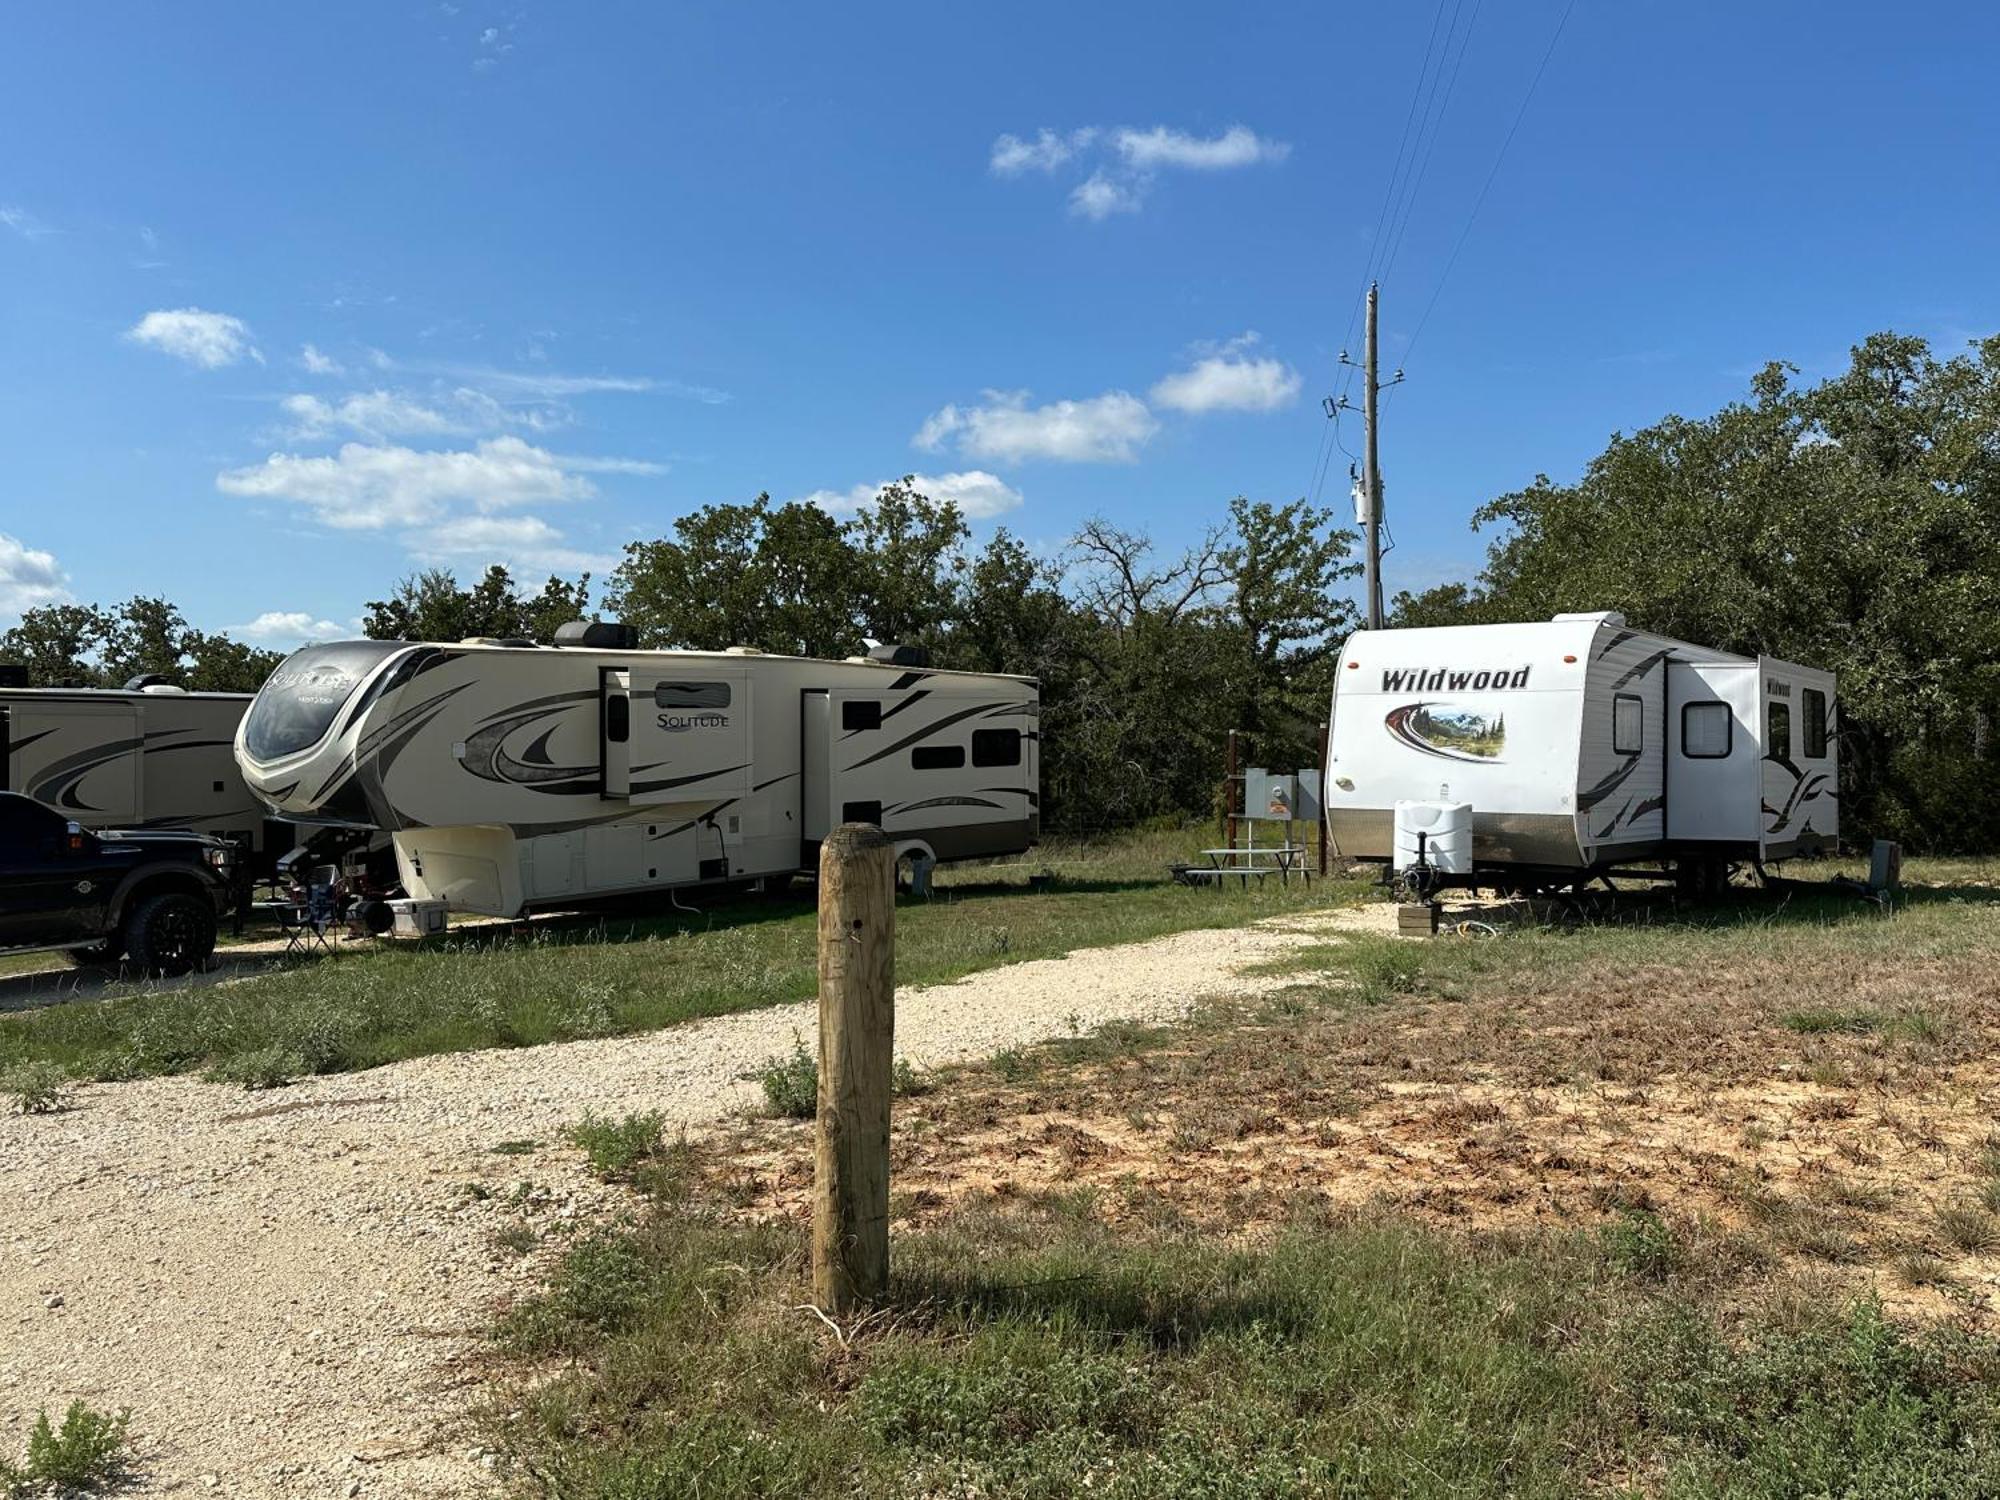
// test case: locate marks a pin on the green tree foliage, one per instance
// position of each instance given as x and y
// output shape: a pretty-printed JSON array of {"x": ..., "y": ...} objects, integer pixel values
[
  {"x": 1145, "y": 664},
  {"x": 430, "y": 606},
  {"x": 83, "y": 645},
  {"x": 1853, "y": 524}
]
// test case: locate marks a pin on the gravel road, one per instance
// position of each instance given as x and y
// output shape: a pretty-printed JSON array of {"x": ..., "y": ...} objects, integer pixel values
[{"x": 288, "y": 1288}]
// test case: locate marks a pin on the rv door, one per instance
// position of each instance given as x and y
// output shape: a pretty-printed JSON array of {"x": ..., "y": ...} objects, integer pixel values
[{"x": 614, "y": 732}]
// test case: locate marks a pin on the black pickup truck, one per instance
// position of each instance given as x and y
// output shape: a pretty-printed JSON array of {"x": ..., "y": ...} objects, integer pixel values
[{"x": 153, "y": 896}]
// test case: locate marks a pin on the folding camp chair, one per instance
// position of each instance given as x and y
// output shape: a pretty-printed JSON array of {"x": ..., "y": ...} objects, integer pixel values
[{"x": 308, "y": 920}]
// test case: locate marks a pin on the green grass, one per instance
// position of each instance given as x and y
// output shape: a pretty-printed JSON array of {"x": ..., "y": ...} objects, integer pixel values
[
  {"x": 615, "y": 1146},
  {"x": 631, "y": 973},
  {"x": 1029, "y": 1355},
  {"x": 85, "y": 1454}
]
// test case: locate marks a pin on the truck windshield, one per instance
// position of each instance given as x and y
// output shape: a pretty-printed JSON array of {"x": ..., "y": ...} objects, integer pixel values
[{"x": 296, "y": 707}]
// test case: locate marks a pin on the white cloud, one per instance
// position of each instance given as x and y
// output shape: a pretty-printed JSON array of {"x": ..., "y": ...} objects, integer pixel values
[
  {"x": 547, "y": 385},
  {"x": 28, "y": 577},
  {"x": 384, "y": 413},
  {"x": 317, "y": 363},
  {"x": 1047, "y": 151},
  {"x": 367, "y": 487},
  {"x": 288, "y": 626},
  {"x": 1100, "y": 196},
  {"x": 1102, "y": 429},
  {"x": 977, "y": 494},
  {"x": 23, "y": 223},
  {"x": 1162, "y": 146},
  {"x": 208, "y": 339},
  {"x": 370, "y": 413},
  {"x": 1229, "y": 380},
  {"x": 518, "y": 541}
]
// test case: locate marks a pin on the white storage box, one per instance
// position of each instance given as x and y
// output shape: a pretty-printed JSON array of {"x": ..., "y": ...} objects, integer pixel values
[
  {"x": 1446, "y": 829},
  {"x": 417, "y": 919}
]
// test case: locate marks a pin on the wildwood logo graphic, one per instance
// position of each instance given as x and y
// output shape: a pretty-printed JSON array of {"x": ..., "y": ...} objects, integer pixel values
[{"x": 1452, "y": 679}]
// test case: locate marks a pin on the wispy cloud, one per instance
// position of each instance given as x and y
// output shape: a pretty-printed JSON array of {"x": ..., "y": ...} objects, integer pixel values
[
  {"x": 1011, "y": 155},
  {"x": 23, "y": 223},
  {"x": 459, "y": 412},
  {"x": 317, "y": 363},
  {"x": 977, "y": 494},
  {"x": 28, "y": 578},
  {"x": 1125, "y": 163},
  {"x": 207, "y": 339},
  {"x": 1110, "y": 428},
  {"x": 549, "y": 385}
]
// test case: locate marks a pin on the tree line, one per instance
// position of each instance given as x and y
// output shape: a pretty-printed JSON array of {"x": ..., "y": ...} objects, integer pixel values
[{"x": 1852, "y": 523}]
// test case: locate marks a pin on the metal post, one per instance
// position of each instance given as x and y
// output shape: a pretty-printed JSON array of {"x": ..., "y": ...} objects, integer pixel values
[
  {"x": 1230, "y": 787},
  {"x": 1325, "y": 738},
  {"x": 857, "y": 1023}
]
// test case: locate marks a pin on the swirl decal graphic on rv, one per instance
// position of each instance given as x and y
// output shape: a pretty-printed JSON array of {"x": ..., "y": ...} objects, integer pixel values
[
  {"x": 1448, "y": 733},
  {"x": 486, "y": 751}
]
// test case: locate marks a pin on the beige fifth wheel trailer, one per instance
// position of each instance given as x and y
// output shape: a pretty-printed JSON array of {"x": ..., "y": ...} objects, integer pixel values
[
  {"x": 515, "y": 776},
  {"x": 149, "y": 756},
  {"x": 1579, "y": 744}
]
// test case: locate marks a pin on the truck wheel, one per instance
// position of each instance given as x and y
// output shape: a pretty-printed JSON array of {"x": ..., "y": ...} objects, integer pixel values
[
  {"x": 170, "y": 934},
  {"x": 95, "y": 955}
]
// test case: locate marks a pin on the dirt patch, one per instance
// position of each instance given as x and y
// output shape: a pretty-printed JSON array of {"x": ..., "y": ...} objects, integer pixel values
[{"x": 1832, "y": 1111}]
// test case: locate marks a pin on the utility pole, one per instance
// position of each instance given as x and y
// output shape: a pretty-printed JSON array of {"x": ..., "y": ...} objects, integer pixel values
[
  {"x": 1368, "y": 492},
  {"x": 1371, "y": 473}
]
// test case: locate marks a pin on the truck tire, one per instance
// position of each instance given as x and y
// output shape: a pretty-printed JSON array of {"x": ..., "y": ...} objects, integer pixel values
[{"x": 170, "y": 934}]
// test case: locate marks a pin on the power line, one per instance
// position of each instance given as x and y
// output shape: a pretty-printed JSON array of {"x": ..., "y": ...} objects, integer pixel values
[
  {"x": 1402, "y": 228},
  {"x": 1478, "y": 202}
]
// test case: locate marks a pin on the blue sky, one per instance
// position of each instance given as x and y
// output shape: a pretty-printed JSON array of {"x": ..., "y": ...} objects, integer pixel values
[{"x": 295, "y": 299}]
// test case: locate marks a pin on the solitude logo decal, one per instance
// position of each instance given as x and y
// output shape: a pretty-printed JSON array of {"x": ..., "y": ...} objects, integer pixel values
[{"x": 1448, "y": 732}]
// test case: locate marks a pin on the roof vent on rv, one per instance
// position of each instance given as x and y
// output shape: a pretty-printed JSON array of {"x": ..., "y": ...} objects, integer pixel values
[
  {"x": 1601, "y": 616},
  {"x": 742, "y": 650},
  {"x": 151, "y": 682},
  {"x": 900, "y": 656},
  {"x": 518, "y": 642},
  {"x": 598, "y": 635}
]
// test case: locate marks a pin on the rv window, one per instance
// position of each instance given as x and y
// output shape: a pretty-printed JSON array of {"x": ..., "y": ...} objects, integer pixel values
[
  {"x": 618, "y": 718},
  {"x": 1812, "y": 703},
  {"x": 691, "y": 695},
  {"x": 937, "y": 757},
  {"x": 859, "y": 713},
  {"x": 996, "y": 747},
  {"x": 1628, "y": 724},
  {"x": 1706, "y": 730},
  {"x": 1778, "y": 730}
]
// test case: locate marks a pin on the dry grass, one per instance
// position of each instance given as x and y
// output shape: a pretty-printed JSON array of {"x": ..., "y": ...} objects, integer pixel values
[{"x": 1816, "y": 1082}]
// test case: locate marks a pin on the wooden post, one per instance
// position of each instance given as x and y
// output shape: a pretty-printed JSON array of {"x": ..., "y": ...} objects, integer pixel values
[
  {"x": 1325, "y": 738},
  {"x": 857, "y": 1019}
]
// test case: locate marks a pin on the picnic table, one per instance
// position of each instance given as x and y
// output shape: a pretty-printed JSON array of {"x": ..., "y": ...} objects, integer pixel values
[{"x": 1249, "y": 862}]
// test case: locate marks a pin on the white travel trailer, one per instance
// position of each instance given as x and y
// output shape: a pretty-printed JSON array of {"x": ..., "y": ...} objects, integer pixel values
[
  {"x": 515, "y": 776},
  {"x": 1582, "y": 745},
  {"x": 149, "y": 756}
]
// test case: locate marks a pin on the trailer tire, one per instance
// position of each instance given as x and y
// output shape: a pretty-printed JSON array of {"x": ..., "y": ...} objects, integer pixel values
[{"x": 170, "y": 934}]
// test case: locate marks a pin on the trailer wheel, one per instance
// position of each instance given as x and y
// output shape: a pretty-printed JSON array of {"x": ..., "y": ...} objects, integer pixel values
[
  {"x": 1700, "y": 879},
  {"x": 170, "y": 934}
]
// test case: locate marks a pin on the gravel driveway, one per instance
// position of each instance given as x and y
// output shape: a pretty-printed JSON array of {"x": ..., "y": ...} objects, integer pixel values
[{"x": 288, "y": 1288}]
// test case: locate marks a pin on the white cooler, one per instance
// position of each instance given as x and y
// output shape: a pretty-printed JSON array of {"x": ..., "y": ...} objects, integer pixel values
[
  {"x": 417, "y": 919},
  {"x": 1447, "y": 836}
]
